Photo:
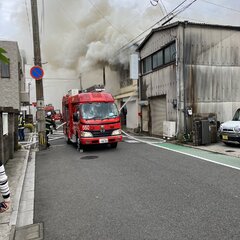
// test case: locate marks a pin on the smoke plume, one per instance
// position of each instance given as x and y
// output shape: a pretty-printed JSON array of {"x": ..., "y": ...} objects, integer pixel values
[{"x": 84, "y": 34}]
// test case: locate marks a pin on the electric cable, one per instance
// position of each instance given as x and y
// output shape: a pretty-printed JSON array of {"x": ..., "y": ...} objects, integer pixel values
[
  {"x": 166, "y": 16},
  {"x": 100, "y": 14},
  {"x": 29, "y": 26},
  {"x": 218, "y": 5}
]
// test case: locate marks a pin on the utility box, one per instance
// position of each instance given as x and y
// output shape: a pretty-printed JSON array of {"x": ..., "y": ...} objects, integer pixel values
[
  {"x": 204, "y": 128},
  {"x": 197, "y": 133},
  {"x": 169, "y": 129},
  {"x": 206, "y": 138}
]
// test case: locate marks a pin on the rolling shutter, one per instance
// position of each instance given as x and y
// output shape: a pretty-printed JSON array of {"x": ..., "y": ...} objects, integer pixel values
[{"x": 158, "y": 114}]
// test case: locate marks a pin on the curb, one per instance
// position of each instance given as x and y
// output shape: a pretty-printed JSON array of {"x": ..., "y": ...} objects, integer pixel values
[
  {"x": 16, "y": 202},
  {"x": 18, "y": 193}
]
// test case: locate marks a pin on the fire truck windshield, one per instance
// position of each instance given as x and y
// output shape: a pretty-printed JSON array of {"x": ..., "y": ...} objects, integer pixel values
[{"x": 100, "y": 110}]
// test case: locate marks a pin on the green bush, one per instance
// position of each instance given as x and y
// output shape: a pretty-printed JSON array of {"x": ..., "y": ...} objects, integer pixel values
[{"x": 29, "y": 126}]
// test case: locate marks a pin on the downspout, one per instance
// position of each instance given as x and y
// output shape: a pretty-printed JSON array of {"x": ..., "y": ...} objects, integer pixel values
[
  {"x": 177, "y": 78},
  {"x": 184, "y": 82}
]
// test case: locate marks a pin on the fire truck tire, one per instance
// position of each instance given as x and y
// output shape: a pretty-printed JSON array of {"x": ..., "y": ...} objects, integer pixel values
[
  {"x": 113, "y": 145},
  {"x": 67, "y": 140}
]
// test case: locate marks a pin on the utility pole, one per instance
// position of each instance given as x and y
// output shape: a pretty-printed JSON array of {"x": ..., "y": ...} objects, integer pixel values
[
  {"x": 104, "y": 77},
  {"x": 42, "y": 141},
  {"x": 80, "y": 79}
]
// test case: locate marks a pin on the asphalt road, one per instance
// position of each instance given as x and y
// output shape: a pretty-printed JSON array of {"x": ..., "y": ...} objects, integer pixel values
[{"x": 134, "y": 192}]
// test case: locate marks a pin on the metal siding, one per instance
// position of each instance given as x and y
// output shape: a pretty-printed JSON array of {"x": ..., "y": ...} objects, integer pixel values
[
  {"x": 212, "y": 60},
  {"x": 212, "y": 67},
  {"x": 158, "y": 114},
  {"x": 157, "y": 41}
]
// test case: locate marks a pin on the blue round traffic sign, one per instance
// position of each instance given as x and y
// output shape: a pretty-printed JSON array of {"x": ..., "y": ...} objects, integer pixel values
[{"x": 37, "y": 72}]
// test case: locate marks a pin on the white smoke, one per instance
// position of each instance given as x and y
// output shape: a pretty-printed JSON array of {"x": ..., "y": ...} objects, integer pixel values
[{"x": 84, "y": 34}]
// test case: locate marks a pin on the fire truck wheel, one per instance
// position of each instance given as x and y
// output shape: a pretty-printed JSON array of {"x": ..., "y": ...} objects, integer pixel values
[
  {"x": 114, "y": 145},
  {"x": 67, "y": 140}
]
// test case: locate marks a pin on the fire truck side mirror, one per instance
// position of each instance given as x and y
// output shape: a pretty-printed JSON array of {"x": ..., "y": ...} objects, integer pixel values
[{"x": 75, "y": 117}]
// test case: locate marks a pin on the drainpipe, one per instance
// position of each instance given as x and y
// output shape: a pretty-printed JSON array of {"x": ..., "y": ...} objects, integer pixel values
[
  {"x": 184, "y": 82},
  {"x": 177, "y": 78}
]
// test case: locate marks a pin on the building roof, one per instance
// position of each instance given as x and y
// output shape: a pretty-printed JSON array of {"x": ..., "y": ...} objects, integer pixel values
[{"x": 185, "y": 23}]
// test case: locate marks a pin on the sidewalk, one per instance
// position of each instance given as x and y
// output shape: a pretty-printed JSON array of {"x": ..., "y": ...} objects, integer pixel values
[{"x": 15, "y": 169}]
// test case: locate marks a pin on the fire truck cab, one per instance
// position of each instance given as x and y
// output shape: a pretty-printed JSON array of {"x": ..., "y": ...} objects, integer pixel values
[{"x": 91, "y": 118}]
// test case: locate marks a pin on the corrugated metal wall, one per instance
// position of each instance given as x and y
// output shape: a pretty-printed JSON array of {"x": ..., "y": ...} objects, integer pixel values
[
  {"x": 208, "y": 60},
  {"x": 213, "y": 70}
]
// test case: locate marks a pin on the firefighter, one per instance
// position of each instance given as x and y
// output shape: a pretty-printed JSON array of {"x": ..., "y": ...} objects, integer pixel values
[
  {"x": 21, "y": 123},
  {"x": 4, "y": 189},
  {"x": 49, "y": 124}
]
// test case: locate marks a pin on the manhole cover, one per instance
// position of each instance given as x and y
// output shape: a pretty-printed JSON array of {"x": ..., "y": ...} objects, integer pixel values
[
  {"x": 33, "y": 231},
  {"x": 229, "y": 151},
  {"x": 89, "y": 157}
]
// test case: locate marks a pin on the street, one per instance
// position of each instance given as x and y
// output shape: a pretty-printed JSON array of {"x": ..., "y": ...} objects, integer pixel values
[{"x": 136, "y": 191}]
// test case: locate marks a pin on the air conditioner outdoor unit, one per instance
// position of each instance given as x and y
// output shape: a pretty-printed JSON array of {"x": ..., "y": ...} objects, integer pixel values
[{"x": 169, "y": 129}]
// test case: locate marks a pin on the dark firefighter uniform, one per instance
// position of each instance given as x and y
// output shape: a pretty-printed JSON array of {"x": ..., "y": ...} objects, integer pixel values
[{"x": 49, "y": 124}]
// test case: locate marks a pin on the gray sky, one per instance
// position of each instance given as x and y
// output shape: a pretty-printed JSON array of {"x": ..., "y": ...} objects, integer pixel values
[{"x": 79, "y": 34}]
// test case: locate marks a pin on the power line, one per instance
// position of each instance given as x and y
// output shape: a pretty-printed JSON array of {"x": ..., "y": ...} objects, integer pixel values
[
  {"x": 42, "y": 19},
  {"x": 56, "y": 78},
  {"x": 29, "y": 27},
  {"x": 218, "y": 5},
  {"x": 100, "y": 13},
  {"x": 166, "y": 16},
  {"x": 163, "y": 6}
]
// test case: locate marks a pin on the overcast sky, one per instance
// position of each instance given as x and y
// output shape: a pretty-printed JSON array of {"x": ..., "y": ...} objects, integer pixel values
[{"x": 79, "y": 34}]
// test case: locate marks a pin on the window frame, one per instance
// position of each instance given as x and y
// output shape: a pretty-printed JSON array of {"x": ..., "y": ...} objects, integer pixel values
[
  {"x": 144, "y": 67},
  {"x": 5, "y": 70},
  {"x": 171, "y": 45}
]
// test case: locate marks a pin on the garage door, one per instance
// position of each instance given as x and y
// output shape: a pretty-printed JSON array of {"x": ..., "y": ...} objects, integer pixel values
[{"x": 158, "y": 114}]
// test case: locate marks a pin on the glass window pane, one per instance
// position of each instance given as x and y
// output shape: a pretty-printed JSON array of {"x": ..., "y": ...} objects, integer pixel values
[
  {"x": 147, "y": 64},
  {"x": 5, "y": 71},
  {"x": 158, "y": 59},
  {"x": 170, "y": 53}
]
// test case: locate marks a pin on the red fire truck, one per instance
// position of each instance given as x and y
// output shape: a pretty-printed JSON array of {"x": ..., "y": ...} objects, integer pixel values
[
  {"x": 56, "y": 114},
  {"x": 91, "y": 118}
]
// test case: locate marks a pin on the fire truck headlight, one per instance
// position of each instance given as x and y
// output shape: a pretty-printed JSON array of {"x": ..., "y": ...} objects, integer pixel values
[
  {"x": 116, "y": 132},
  {"x": 86, "y": 134}
]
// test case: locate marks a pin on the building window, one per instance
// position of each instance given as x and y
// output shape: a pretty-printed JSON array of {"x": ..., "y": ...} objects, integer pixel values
[
  {"x": 160, "y": 58},
  {"x": 157, "y": 59},
  {"x": 5, "y": 70},
  {"x": 170, "y": 53},
  {"x": 147, "y": 64}
]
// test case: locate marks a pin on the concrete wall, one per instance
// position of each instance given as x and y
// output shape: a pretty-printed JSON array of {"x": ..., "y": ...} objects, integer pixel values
[
  {"x": 112, "y": 79},
  {"x": 10, "y": 87}
]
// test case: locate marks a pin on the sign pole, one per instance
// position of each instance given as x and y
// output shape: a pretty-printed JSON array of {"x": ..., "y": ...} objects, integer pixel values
[{"x": 41, "y": 127}]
